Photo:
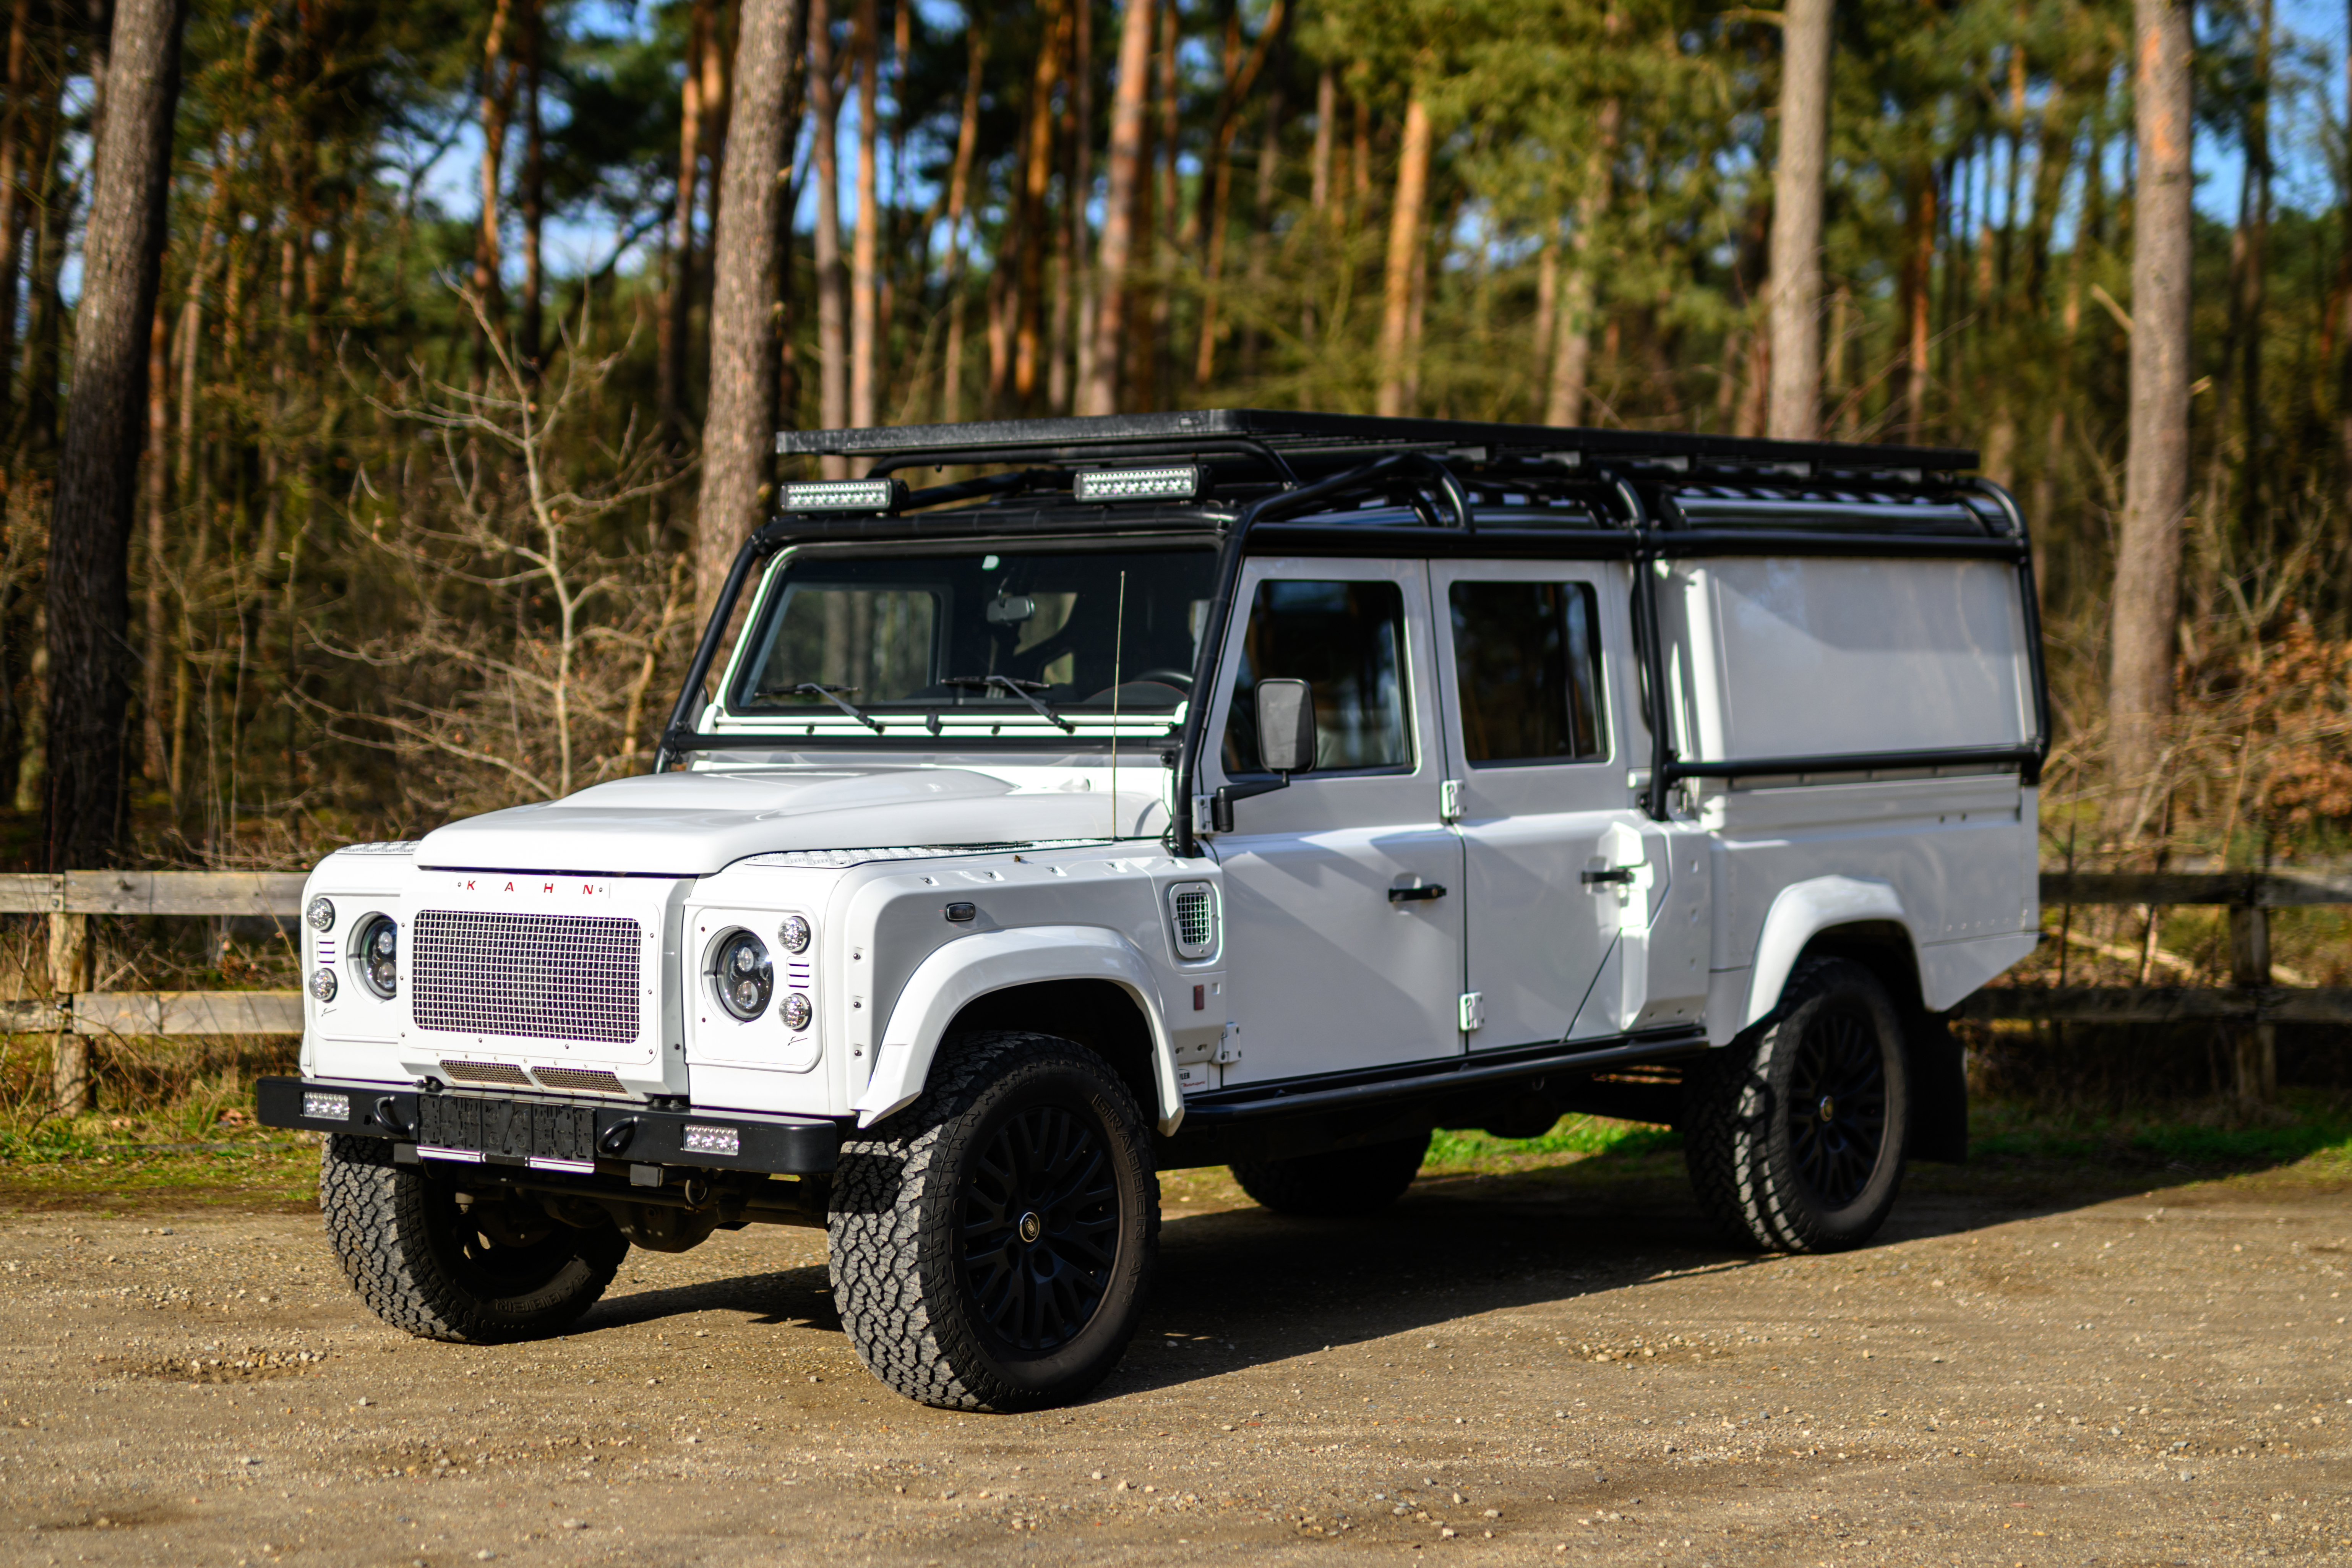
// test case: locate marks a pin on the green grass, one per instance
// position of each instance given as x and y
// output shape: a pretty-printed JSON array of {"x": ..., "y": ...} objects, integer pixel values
[
  {"x": 2308, "y": 1131},
  {"x": 1572, "y": 1138}
]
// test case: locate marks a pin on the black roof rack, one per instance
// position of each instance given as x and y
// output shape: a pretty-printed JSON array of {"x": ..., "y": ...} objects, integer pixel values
[{"x": 1297, "y": 443}]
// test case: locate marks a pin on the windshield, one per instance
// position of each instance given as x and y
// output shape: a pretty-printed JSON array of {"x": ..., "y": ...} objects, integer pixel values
[{"x": 1025, "y": 634}]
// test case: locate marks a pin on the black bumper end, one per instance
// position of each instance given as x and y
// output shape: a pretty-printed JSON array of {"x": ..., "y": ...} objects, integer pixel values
[{"x": 548, "y": 1131}]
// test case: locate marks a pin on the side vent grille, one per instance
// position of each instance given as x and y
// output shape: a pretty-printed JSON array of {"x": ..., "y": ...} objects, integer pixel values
[
  {"x": 584, "y": 1080},
  {"x": 486, "y": 1072},
  {"x": 1192, "y": 915}
]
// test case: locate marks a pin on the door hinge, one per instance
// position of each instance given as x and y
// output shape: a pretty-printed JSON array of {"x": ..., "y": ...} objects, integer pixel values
[
  {"x": 1474, "y": 1010},
  {"x": 1229, "y": 1048},
  {"x": 1449, "y": 801}
]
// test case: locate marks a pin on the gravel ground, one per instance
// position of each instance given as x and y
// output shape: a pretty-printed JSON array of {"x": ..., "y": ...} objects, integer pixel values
[{"x": 1542, "y": 1367}]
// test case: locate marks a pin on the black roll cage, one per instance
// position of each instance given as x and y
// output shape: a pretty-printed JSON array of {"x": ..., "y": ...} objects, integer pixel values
[{"x": 1432, "y": 467}]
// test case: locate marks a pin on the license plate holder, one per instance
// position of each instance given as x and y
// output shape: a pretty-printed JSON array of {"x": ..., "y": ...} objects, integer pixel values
[{"x": 506, "y": 1129}]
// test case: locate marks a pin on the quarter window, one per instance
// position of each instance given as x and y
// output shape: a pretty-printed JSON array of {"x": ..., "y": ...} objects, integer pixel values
[
  {"x": 1347, "y": 641},
  {"x": 1526, "y": 657}
]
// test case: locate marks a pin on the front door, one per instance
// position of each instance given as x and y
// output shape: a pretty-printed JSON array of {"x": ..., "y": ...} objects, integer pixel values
[
  {"x": 1343, "y": 892},
  {"x": 1555, "y": 854}
]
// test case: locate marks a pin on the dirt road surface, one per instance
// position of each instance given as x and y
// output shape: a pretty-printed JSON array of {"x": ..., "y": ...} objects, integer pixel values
[{"x": 1548, "y": 1367}]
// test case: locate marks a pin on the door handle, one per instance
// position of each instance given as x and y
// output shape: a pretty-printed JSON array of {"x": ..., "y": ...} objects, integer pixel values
[
  {"x": 1416, "y": 895},
  {"x": 1620, "y": 876}
]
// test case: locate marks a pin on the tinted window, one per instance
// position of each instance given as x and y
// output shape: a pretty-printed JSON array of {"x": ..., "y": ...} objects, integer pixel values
[
  {"x": 1528, "y": 655},
  {"x": 920, "y": 630},
  {"x": 1347, "y": 641}
]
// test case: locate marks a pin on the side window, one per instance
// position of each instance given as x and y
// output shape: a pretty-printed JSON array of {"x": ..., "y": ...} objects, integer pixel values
[
  {"x": 1347, "y": 641},
  {"x": 1527, "y": 658}
]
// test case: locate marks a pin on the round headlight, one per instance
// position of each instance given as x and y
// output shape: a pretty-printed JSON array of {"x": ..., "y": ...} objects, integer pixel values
[
  {"x": 797, "y": 1012},
  {"x": 323, "y": 984},
  {"x": 743, "y": 976},
  {"x": 378, "y": 956},
  {"x": 793, "y": 933},
  {"x": 320, "y": 913}
]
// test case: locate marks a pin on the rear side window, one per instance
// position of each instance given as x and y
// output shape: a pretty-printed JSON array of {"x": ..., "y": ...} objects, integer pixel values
[
  {"x": 1347, "y": 641},
  {"x": 1527, "y": 656}
]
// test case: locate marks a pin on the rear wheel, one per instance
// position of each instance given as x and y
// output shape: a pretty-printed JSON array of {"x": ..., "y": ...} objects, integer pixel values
[
  {"x": 1795, "y": 1135},
  {"x": 992, "y": 1244},
  {"x": 1345, "y": 1182},
  {"x": 477, "y": 1268}
]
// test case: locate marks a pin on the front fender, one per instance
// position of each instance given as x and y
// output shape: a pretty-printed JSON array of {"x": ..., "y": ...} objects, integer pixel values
[
  {"x": 970, "y": 967},
  {"x": 1803, "y": 912}
]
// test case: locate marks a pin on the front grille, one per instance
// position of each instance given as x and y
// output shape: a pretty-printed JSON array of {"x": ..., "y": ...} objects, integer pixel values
[
  {"x": 585, "y": 1080},
  {"x": 485, "y": 1072},
  {"x": 548, "y": 978}
]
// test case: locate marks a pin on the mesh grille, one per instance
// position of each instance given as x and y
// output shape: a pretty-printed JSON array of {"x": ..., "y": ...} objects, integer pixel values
[
  {"x": 485, "y": 1072},
  {"x": 1195, "y": 914},
  {"x": 549, "y": 977},
  {"x": 585, "y": 1078}
]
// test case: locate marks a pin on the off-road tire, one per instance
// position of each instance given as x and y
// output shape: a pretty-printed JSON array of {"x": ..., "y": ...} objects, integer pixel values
[
  {"x": 1770, "y": 1168},
  {"x": 1345, "y": 1182},
  {"x": 421, "y": 1264},
  {"x": 926, "y": 1264}
]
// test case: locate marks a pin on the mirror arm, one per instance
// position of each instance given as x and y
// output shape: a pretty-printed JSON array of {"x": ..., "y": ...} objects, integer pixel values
[{"x": 1220, "y": 805}]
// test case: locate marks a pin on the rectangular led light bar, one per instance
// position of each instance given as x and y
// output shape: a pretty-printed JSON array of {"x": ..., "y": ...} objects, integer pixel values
[
  {"x": 845, "y": 495},
  {"x": 1179, "y": 482}
]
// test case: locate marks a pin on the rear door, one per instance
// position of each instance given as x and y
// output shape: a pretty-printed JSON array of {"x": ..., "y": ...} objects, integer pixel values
[
  {"x": 1343, "y": 901},
  {"x": 1555, "y": 857}
]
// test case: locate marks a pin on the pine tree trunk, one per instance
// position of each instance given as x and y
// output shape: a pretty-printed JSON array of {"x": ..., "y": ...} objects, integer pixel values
[
  {"x": 739, "y": 433},
  {"x": 2261, "y": 530},
  {"x": 91, "y": 520},
  {"x": 531, "y": 349},
  {"x": 1100, "y": 394},
  {"x": 677, "y": 305},
  {"x": 1794, "y": 308},
  {"x": 496, "y": 106},
  {"x": 1404, "y": 248},
  {"x": 959, "y": 199},
  {"x": 1082, "y": 186},
  {"x": 1036, "y": 179},
  {"x": 12, "y": 206},
  {"x": 2146, "y": 599},
  {"x": 156, "y": 476},
  {"x": 864, "y": 390},
  {"x": 832, "y": 307}
]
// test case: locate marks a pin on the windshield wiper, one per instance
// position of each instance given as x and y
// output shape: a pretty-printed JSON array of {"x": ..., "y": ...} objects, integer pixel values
[
  {"x": 1017, "y": 687},
  {"x": 831, "y": 694}
]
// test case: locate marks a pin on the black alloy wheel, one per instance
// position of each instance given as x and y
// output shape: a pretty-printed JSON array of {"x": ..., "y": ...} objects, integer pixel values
[
  {"x": 992, "y": 1244},
  {"x": 1795, "y": 1133},
  {"x": 1040, "y": 1228},
  {"x": 1837, "y": 1104}
]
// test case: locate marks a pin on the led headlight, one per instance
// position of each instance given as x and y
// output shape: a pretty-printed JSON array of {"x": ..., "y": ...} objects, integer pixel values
[
  {"x": 378, "y": 956},
  {"x": 743, "y": 977},
  {"x": 797, "y": 1012},
  {"x": 320, "y": 913},
  {"x": 323, "y": 984},
  {"x": 793, "y": 933}
]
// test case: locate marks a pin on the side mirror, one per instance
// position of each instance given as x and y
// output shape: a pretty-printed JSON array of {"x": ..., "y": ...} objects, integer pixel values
[{"x": 1285, "y": 726}]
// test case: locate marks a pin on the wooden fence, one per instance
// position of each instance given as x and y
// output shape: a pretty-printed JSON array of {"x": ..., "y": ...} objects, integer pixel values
[
  {"x": 73, "y": 1012},
  {"x": 2252, "y": 1004}
]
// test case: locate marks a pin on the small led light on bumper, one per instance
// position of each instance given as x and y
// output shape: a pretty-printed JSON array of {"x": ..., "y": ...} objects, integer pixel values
[
  {"x": 724, "y": 1140},
  {"x": 1179, "y": 482},
  {"x": 845, "y": 495},
  {"x": 329, "y": 1107}
]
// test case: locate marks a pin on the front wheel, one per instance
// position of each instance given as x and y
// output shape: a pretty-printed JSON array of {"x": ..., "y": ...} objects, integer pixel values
[
  {"x": 992, "y": 1244},
  {"x": 1795, "y": 1133},
  {"x": 476, "y": 1269}
]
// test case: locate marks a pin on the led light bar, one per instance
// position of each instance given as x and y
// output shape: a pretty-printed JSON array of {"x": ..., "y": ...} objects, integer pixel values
[
  {"x": 712, "y": 1139},
  {"x": 328, "y": 1107},
  {"x": 1180, "y": 482},
  {"x": 845, "y": 495}
]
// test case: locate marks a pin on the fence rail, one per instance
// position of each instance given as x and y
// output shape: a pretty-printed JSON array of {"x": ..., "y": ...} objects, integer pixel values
[{"x": 2251, "y": 1002}]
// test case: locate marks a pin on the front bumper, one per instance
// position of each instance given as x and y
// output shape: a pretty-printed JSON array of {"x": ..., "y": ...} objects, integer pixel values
[{"x": 505, "y": 1130}]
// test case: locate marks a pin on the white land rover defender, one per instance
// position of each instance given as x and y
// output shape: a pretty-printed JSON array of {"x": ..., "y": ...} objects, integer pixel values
[{"x": 1228, "y": 787}]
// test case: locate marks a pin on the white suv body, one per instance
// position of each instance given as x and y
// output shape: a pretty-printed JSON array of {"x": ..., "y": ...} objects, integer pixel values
[{"x": 1631, "y": 774}]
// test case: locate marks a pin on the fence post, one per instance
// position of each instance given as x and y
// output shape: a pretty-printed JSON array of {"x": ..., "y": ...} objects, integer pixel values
[
  {"x": 68, "y": 973},
  {"x": 2250, "y": 969}
]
